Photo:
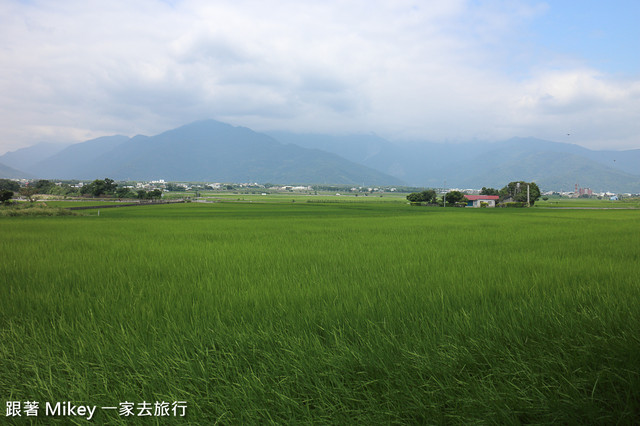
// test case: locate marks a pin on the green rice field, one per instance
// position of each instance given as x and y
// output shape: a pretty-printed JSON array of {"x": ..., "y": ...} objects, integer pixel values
[
  {"x": 626, "y": 203},
  {"x": 324, "y": 313}
]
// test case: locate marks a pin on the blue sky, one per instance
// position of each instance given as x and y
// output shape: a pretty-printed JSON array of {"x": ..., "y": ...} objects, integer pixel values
[
  {"x": 444, "y": 71},
  {"x": 604, "y": 35}
]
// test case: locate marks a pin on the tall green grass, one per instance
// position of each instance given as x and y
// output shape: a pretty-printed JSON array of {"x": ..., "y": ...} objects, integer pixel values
[{"x": 327, "y": 313}]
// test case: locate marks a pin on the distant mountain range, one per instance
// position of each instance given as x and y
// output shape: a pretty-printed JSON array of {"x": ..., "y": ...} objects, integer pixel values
[
  {"x": 28, "y": 158},
  {"x": 204, "y": 151},
  {"x": 11, "y": 173},
  {"x": 213, "y": 151},
  {"x": 553, "y": 165}
]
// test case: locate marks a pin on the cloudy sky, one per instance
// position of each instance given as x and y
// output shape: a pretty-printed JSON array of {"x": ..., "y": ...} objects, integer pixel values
[{"x": 437, "y": 70}]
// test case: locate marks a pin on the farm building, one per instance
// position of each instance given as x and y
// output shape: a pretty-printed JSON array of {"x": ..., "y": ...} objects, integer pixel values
[{"x": 477, "y": 200}]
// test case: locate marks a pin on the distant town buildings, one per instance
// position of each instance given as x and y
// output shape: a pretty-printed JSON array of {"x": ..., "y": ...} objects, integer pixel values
[
  {"x": 165, "y": 185},
  {"x": 294, "y": 188},
  {"x": 579, "y": 192}
]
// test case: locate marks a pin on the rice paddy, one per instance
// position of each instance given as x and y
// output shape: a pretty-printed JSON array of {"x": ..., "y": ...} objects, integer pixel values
[{"x": 339, "y": 313}]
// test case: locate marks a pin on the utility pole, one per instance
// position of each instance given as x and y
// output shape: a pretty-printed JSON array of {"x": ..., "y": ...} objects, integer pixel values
[
  {"x": 528, "y": 203},
  {"x": 444, "y": 197}
]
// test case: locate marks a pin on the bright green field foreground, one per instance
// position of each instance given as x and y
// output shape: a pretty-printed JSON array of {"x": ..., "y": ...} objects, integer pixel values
[{"x": 326, "y": 313}]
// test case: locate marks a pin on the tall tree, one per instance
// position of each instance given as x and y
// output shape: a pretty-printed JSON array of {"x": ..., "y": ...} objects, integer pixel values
[
  {"x": 29, "y": 193},
  {"x": 517, "y": 191},
  {"x": 489, "y": 191},
  {"x": 454, "y": 197}
]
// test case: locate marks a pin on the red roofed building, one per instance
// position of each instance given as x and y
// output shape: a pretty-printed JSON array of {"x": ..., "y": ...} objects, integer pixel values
[{"x": 476, "y": 200}]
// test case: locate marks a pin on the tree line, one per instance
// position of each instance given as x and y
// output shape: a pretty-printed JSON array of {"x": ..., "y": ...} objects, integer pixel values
[
  {"x": 514, "y": 194},
  {"x": 98, "y": 188}
]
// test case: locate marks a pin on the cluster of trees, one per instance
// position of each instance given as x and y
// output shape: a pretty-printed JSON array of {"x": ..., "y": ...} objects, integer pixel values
[
  {"x": 489, "y": 191},
  {"x": 8, "y": 188},
  {"x": 9, "y": 185},
  {"x": 517, "y": 192},
  {"x": 429, "y": 196},
  {"x": 108, "y": 187},
  {"x": 154, "y": 194},
  {"x": 101, "y": 187},
  {"x": 41, "y": 186},
  {"x": 97, "y": 188},
  {"x": 514, "y": 192},
  {"x": 454, "y": 199},
  {"x": 173, "y": 187}
]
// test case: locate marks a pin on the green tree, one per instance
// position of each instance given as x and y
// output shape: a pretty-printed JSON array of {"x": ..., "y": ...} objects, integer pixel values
[
  {"x": 454, "y": 197},
  {"x": 489, "y": 191},
  {"x": 427, "y": 196},
  {"x": 174, "y": 187},
  {"x": 414, "y": 197},
  {"x": 100, "y": 187},
  {"x": 5, "y": 196},
  {"x": 29, "y": 193},
  {"x": 9, "y": 185},
  {"x": 64, "y": 189},
  {"x": 110, "y": 186},
  {"x": 124, "y": 192},
  {"x": 517, "y": 191},
  {"x": 43, "y": 186},
  {"x": 88, "y": 189},
  {"x": 156, "y": 194}
]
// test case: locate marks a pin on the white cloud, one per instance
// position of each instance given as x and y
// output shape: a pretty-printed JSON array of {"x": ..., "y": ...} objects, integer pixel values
[
  {"x": 593, "y": 109},
  {"x": 443, "y": 70}
]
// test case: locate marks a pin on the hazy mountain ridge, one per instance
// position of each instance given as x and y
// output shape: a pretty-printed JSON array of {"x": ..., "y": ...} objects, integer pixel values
[
  {"x": 27, "y": 158},
  {"x": 553, "y": 165},
  {"x": 205, "y": 151},
  {"x": 76, "y": 161},
  {"x": 7, "y": 172},
  {"x": 213, "y": 151}
]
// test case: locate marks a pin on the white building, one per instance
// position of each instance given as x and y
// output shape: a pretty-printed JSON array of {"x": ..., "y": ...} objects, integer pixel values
[{"x": 477, "y": 200}]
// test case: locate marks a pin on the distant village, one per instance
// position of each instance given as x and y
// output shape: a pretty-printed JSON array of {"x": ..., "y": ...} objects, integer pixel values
[{"x": 338, "y": 190}]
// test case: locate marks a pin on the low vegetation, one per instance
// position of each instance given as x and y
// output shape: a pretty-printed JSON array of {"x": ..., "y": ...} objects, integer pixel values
[{"x": 34, "y": 209}]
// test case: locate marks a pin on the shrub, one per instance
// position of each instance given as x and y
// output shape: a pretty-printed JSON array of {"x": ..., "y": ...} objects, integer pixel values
[
  {"x": 35, "y": 210},
  {"x": 514, "y": 204},
  {"x": 5, "y": 196}
]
